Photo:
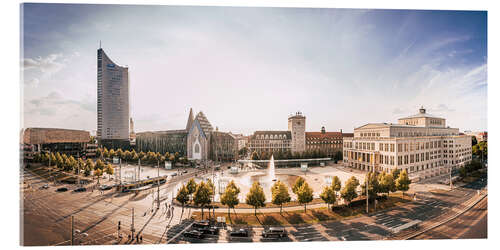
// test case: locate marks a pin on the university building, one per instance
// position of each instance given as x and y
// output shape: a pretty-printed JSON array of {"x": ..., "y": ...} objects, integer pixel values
[
  {"x": 65, "y": 141},
  {"x": 421, "y": 144},
  {"x": 112, "y": 103},
  {"x": 197, "y": 141},
  {"x": 327, "y": 143},
  {"x": 296, "y": 139}
]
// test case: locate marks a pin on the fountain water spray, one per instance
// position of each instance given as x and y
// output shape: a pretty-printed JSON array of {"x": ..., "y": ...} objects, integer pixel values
[{"x": 270, "y": 171}]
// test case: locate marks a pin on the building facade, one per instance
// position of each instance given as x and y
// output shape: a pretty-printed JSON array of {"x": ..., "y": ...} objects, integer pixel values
[
  {"x": 66, "y": 141},
  {"x": 198, "y": 141},
  {"x": 223, "y": 146},
  {"x": 327, "y": 143},
  {"x": 270, "y": 141},
  {"x": 162, "y": 141},
  {"x": 112, "y": 102},
  {"x": 421, "y": 144}
]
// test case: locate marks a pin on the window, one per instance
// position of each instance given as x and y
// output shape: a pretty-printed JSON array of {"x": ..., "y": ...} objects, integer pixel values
[{"x": 197, "y": 148}]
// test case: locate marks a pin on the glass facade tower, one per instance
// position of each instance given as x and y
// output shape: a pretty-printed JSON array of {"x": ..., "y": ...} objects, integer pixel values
[{"x": 112, "y": 100}]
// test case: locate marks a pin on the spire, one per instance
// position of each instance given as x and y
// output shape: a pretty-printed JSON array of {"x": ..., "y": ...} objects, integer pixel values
[{"x": 190, "y": 119}]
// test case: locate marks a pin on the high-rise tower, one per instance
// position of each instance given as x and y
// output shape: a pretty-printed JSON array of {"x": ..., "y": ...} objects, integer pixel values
[
  {"x": 112, "y": 102},
  {"x": 297, "y": 125}
]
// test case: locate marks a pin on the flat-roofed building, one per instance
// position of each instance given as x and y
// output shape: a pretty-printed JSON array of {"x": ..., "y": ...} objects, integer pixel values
[
  {"x": 421, "y": 144},
  {"x": 67, "y": 141}
]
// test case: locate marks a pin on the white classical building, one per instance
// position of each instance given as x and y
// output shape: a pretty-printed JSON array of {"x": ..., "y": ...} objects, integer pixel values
[{"x": 421, "y": 144}]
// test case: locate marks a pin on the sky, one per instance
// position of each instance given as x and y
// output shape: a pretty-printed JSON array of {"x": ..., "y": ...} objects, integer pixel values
[{"x": 249, "y": 68}]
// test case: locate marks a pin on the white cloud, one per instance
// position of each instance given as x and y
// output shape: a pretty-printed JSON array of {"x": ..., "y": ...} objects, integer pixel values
[{"x": 47, "y": 66}]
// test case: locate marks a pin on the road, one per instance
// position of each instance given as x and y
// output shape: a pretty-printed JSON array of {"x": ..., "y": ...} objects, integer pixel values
[{"x": 470, "y": 225}]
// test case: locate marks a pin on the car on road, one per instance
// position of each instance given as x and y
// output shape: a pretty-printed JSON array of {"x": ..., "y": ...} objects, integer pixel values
[
  {"x": 274, "y": 232},
  {"x": 242, "y": 232},
  {"x": 80, "y": 189},
  {"x": 193, "y": 234},
  {"x": 209, "y": 230},
  {"x": 174, "y": 174},
  {"x": 105, "y": 187},
  {"x": 201, "y": 224},
  {"x": 46, "y": 186},
  {"x": 184, "y": 172},
  {"x": 62, "y": 189}
]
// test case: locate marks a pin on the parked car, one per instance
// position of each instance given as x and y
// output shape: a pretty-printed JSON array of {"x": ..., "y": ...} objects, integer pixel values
[
  {"x": 105, "y": 187},
  {"x": 201, "y": 224},
  {"x": 193, "y": 234},
  {"x": 62, "y": 189},
  {"x": 80, "y": 189},
  {"x": 174, "y": 174},
  {"x": 209, "y": 230},
  {"x": 46, "y": 186},
  {"x": 185, "y": 171},
  {"x": 274, "y": 232},
  {"x": 242, "y": 232}
]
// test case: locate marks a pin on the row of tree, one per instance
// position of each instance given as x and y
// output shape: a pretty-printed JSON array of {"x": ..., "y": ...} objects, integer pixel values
[
  {"x": 480, "y": 150},
  {"x": 469, "y": 168},
  {"x": 280, "y": 155},
  {"x": 145, "y": 157},
  {"x": 77, "y": 166},
  {"x": 202, "y": 194}
]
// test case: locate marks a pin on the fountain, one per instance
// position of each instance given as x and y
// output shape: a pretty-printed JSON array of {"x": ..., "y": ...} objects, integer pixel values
[{"x": 271, "y": 176}]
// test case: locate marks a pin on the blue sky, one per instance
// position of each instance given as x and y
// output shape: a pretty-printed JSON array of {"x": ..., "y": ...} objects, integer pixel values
[{"x": 247, "y": 68}]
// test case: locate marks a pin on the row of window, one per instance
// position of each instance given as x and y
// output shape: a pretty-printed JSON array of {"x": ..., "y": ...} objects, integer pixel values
[{"x": 271, "y": 137}]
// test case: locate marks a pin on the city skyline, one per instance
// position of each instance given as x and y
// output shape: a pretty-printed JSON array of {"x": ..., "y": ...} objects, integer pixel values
[{"x": 235, "y": 64}]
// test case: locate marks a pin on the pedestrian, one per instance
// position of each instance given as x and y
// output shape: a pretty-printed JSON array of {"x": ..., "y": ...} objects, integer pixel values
[{"x": 141, "y": 238}]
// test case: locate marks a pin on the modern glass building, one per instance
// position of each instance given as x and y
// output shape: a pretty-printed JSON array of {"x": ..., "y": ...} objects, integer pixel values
[{"x": 112, "y": 102}]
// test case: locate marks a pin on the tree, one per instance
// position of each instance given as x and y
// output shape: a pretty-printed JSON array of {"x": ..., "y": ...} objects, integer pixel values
[
  {"x": 297, "y": 184},
  {"x": 336, "y": 184},
  {"x": 99, "y": 164},
  {"x": 395, "y": 173},
  {"x": 280, "y": 194},
  {"x": 255, "y": 155},
  {"x": 474, "y": 141},
  {"x": 328, "y": 195},
  {"x": 112, "y": 153},
  {"x": 99, "y": 153},
  {"x": 109, "y": 170},
  {"x": 105, "y": 153},
  {"x": 403, "y": 182},
  {"x": 183, "y": 196},
  {"x": 230, "y": 199},
  {"x": 231, "y": 184},
  {"x": 256, "y": 197},
  {"x": 119, "y": 153},
  {"x": 89, "y": 164},
  {"x": 349, "y": 193},
  {"x": 304, "y": 194},
  {"x": 191, "y": 186},
  {"x": 202, "y": 196},
  {"x": 98, "y": 174},
  {"x": 386, "y": 183},
  {"x": 373, "y": 185}
]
